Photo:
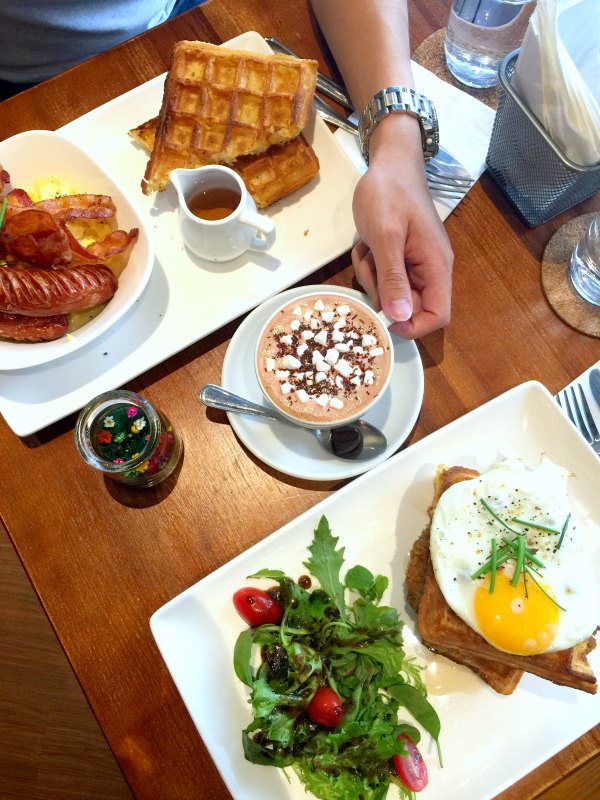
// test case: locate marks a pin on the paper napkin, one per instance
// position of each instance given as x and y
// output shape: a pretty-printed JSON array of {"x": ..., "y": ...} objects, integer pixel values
[{"x": 465, "y": 129}]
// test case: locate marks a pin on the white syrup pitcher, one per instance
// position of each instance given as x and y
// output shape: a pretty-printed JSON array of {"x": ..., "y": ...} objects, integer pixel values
[{"x": 217, "y": 216}]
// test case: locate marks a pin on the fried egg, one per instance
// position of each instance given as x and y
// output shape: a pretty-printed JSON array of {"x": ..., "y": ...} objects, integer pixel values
[{"x": 551, "y": 604}]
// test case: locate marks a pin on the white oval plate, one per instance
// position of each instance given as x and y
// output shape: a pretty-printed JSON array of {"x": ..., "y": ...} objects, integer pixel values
[
  {"x": 33, "y": 155},
  {"x": 296, "y": 451}
]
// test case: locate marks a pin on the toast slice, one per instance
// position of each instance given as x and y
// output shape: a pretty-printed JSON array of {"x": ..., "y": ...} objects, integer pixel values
[
  {"x": 444, "y": 632},
  {"x": 269, "y": 176},
  {"x": 219, "y": 104}
]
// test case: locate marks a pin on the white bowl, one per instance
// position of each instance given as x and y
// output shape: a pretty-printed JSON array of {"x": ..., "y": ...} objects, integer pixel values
[{"x": 33, "y": 155}]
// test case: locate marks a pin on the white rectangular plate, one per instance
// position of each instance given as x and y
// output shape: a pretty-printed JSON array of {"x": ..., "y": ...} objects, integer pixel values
[
  {"x": 185, "y": 299},
  {"x": 488, "y": 741}
]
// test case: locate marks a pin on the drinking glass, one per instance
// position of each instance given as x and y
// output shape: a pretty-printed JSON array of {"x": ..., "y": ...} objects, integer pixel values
[
  {"x": 584, "y": 269},
  {"x": 480, "y": 33}
]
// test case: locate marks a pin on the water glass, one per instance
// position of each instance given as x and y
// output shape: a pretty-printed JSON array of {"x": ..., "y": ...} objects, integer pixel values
[
  {"x": 480, "y": 33},
  {"x": 584, "y": 269}
]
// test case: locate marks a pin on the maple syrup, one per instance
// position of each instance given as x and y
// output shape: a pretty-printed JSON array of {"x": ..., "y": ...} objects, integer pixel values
[{"x": 214, "y": 204}]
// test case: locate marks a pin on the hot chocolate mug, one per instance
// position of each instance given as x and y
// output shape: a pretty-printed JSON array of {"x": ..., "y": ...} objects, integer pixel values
[{"x": 217, "y": 216}]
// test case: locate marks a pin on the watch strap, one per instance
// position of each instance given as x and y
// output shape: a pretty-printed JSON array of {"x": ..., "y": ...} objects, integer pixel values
[{"x": 400, "y": 99}]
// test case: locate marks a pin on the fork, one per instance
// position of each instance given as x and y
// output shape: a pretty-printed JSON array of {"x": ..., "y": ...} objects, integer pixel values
[
  {"x": 580, "y": 415},
  {"x": 442, "y": 184}
]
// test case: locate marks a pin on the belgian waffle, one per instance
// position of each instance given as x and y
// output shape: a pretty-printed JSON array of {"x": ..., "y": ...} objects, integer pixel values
[
  {"x": 220, "y": 104},
  {"x": 269, "y": 176}
]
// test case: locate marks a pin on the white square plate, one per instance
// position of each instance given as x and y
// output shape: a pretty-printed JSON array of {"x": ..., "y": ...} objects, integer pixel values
[
  {"x": 186, "y": 298},
  {"x": 488, "y": 741},
  {"x": 33, "y": 155}
]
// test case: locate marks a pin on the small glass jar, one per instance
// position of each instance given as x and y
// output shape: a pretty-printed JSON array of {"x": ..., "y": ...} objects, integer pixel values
[{"x": 124, "y": 436}]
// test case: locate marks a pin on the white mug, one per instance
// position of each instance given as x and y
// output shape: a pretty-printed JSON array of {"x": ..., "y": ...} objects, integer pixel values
[{"x": 220, "y": 239}]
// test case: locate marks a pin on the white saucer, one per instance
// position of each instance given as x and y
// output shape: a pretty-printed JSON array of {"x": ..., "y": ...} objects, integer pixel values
[{"x": 296, "y": 451}]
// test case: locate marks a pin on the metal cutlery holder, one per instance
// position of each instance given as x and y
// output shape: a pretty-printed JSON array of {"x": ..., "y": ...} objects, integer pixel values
[{"x": 529, "y": 168}]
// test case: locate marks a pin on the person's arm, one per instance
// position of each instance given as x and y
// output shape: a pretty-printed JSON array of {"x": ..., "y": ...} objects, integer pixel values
[{"x": 404, "y": 260}]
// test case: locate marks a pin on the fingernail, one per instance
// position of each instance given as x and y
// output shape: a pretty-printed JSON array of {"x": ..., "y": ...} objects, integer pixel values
[{"x": 400, "y": 310}]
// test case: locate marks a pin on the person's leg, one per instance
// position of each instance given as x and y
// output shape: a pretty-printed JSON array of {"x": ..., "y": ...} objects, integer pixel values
[
  {"x": 8, "y": 89},
  {"x": 184, "y": 5}
]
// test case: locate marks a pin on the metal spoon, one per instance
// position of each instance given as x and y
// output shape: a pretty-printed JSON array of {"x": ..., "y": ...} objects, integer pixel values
[{"x": 356, "y": 441}]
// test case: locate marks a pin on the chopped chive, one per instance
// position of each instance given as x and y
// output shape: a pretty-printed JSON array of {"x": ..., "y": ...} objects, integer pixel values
[
  {"x": 3, "y": 209},
  {"x": 496, "y": 517},
  {"x": 542, "y": 590},
  {"x": 493, "y": 566},
  {"x": 502, "y": 555},
  {"x": 529, "y": 556},
  {"x": 535, "y": 525},
  {"x": 520, "y": 559},
  {"x": 564, "y": 530}
]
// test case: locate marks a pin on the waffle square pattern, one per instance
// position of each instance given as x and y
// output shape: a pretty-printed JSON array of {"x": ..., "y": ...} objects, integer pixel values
[{"x": 220, "y": 104}]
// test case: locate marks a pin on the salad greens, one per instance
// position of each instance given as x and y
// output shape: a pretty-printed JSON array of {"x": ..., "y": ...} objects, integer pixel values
[{"x": 339, "y": 635}]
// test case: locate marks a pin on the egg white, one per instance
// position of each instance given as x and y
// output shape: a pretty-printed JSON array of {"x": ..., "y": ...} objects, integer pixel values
[{"x": 462, "y": 530}]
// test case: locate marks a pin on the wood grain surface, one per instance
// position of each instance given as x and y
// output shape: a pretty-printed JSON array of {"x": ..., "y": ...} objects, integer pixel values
[{"x": 103, "y": 558}]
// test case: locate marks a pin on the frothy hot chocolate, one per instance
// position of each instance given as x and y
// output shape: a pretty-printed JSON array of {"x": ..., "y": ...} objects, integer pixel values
[{"x": 324, "y": 359}]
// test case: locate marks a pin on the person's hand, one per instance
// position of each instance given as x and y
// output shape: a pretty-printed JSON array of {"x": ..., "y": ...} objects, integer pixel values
[{"x": 404, "y": 258}]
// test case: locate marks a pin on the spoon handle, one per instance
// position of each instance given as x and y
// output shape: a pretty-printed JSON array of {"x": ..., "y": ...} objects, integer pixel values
[{"x": 217, "y": 397}]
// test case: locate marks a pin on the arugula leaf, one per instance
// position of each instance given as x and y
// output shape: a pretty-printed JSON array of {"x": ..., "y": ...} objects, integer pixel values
[
  {"x": 242, "y": 653},
  {"x": 362, "y": 581},
  {"x": 326, "y": 563},
  {"x": 419, "y": 707}
]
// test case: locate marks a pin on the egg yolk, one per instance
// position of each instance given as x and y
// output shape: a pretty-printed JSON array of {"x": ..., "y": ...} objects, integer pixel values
[{"x": 515, "y": 622}]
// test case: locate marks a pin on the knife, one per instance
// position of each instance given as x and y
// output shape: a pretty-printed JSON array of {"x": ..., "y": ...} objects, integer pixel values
[
  {"x": 595, "y": 385},
  {"x": 324, "y": 84}
]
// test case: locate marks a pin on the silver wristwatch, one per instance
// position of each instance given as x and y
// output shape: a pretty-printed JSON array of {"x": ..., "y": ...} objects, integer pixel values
[{"x": 400, "y": 99}]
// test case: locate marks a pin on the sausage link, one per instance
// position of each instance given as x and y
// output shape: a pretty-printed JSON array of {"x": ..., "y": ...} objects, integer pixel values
[
  {"x": 38, "y": 292},
  {"x": 33, "y": 329}
]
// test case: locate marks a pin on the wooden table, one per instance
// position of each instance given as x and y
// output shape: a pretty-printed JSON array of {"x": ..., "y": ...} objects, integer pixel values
[{"x": 103, "y": 558}]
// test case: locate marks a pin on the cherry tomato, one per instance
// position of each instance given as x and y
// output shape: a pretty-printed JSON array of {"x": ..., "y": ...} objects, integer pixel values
[
  {"x": 411, "y": 768},
  {"x": 325, "y": 708},
  {"x": 257, "y": 607}
]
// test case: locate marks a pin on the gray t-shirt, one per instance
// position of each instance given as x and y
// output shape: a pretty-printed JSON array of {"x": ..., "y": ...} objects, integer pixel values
[{"x": 41, "y": 39}]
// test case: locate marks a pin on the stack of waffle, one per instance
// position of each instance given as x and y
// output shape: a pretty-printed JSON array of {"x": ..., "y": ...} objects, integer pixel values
[{"x": 244, "y": 110}]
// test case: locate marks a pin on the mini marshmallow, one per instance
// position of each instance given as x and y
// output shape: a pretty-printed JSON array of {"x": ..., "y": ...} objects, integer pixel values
[
  {"x": 290, "y": 362},
  {"x": 295, "y": 324},
  {"x": 314, "y": 323},
  {"x": 376, "y": 351},
  {"x": 287, "y": 339},
  {"x": 301, "y": 349},
  {"x": 307, "y": 335},
  {"x": 321, "y": 337},
  {"x": 319, "y": 305},
  {"x": 341, "y": 323},
  {"x": 297, "y": 311},
  {"x": 269, "y": 364},
  {"x": 316, "y": 356},
  {"x": 322, "y": 366},
  {"x": 323, "y": 400},
  {"x": 307, "y": 315},
  {"x": 335, "y": 402},
  {"x": 332, "y": 355},
  {"x": 339, "y": 381},
  {"x": 356, "y": 381},
  {"x": 342, "y": 347},
  {"x": 344, "y": 368},
  {"x": 282, "y": 374},
  {"x": 343, "y": 310},
  {"x": 353, "y": 335},
  {"x": 327, "y": 316},
  {"x": 337, "y": 336},
  {"x": 368, "y": 377},
  {"x": 286, "y": 388},
  {"x": 320, "y": 377},
  {"x": 302, "y": 395},
  {"x": 357, "y": 349},
  {"x": 368, "y": 340}
]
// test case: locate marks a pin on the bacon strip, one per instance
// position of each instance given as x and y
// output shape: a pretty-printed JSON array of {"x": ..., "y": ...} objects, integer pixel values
[
  {"x": 33, "y": 329},
  {"x": 79, "y": 206},
  {"x": 4, "y": 178},
  {"x": 34, "y": 237},
  {"x": 38, "y": 292}
]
